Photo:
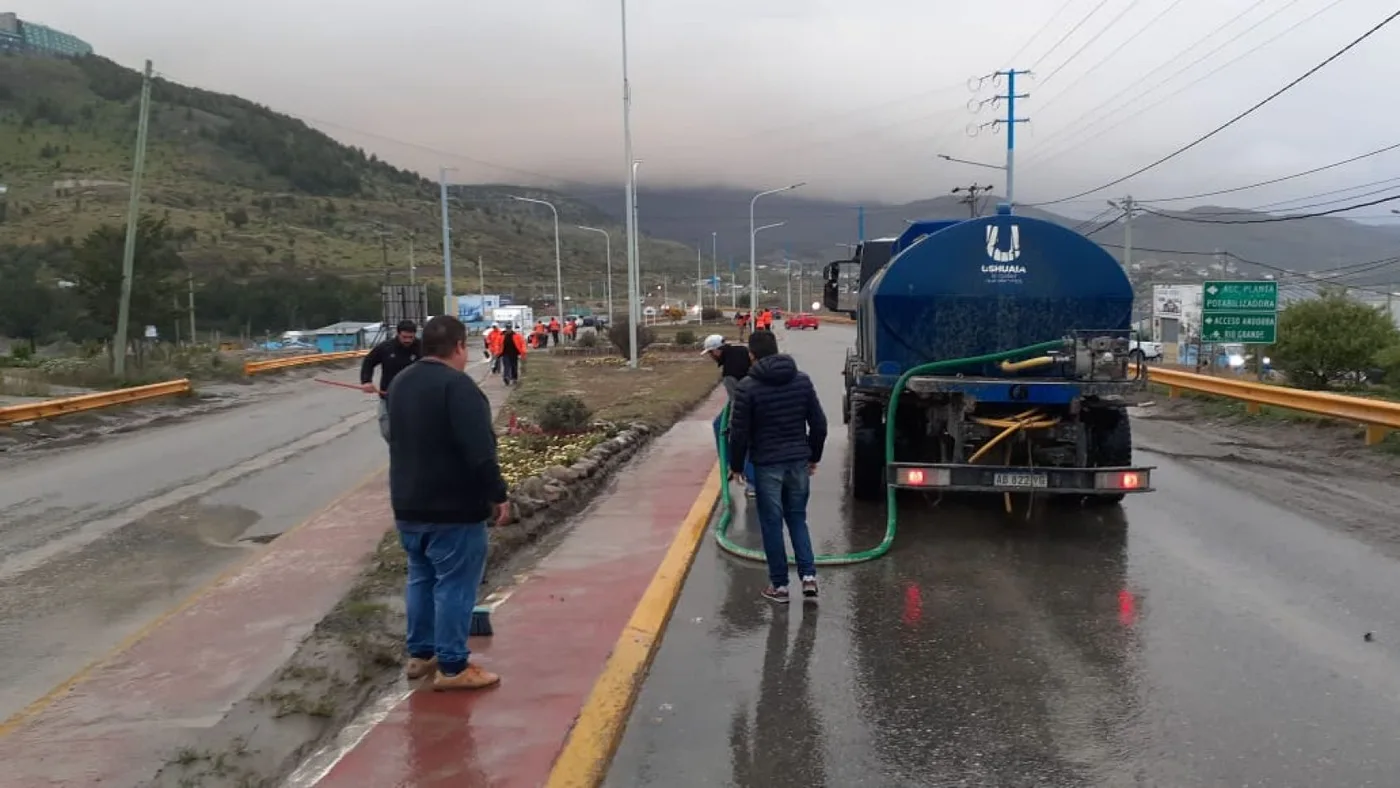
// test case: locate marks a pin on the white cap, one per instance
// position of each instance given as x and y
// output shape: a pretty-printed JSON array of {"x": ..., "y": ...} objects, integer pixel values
[{"x": 713, "y": 342}]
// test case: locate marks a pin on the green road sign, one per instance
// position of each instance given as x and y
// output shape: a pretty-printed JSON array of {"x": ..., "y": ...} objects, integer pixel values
[
  {"x": 1239, "y": 297},
  {"x": 1251, "y": 327},
  {"x": 1240, "y": 312}
]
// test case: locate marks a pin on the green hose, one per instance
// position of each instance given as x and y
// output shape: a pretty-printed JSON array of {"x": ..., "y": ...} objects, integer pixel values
[{"x": 726, "y": 515}]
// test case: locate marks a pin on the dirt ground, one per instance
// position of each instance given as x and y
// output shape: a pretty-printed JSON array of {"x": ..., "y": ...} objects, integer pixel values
[
  {"x": 658, "y": 393},
  {"x": 1317, "y": 466}
]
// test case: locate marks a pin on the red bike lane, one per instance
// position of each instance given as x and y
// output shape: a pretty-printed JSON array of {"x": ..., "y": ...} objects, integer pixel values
[{"x": 554, "y": 636}]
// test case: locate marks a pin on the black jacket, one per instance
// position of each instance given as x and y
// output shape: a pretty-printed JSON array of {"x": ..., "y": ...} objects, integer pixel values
[
  {"x": 775, "y": 416},
  {"x": 734, "y": 363},
  {"x": 442, "y": 448},
  {"x": 393, "y": 357}
]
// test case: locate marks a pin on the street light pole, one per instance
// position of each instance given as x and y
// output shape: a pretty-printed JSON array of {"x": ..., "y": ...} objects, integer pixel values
[
  {"x": 714, "y": 260},
  {"x": 631, "y": 199},
  {"x": 558, "y": 260},
  {"x": 753, "y": 251},
  {"x": 753, "y": 269},
  {"x": 133, "y": 220},
  {"x": 699, "y": 285},
  {"x": 449, "y": 306},
  {"x": 607, "y": 241}
]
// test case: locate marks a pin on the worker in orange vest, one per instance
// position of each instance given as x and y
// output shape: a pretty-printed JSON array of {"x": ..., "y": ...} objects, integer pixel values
[
  {"x": 765, "y": 319},
  {"x": 495, "y": 341},
  {"x": 570, "y": 329}
]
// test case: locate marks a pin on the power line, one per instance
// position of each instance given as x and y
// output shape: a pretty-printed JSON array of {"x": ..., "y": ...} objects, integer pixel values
[
  {"x": 1275, "y": 206},
  {"x": 1066, "y": 36},
  {"x": 1112, "y": 101},
  {"x": 1105, "y": 225},
  {"x": 1016, "y": 57},
  {"x": 1227, "y": 124},
  {"x": 1090, "y": 42},
  {"x": 1080, "y": 142},
  {"x": 1280, "y": 179},
  {"x": 1094, "y": 68},
  {"x": 1270, "y": 267},
  {"x": 1272, "y": 219}
]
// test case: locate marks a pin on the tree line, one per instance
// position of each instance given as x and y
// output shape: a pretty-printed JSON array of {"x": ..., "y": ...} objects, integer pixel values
[{"x": 71, "y": 291}]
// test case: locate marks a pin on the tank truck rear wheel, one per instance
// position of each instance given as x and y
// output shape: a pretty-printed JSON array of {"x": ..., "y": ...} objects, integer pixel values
[
  {"x": 1110, "y": 445},
  {"x": 867, "y": 454}
]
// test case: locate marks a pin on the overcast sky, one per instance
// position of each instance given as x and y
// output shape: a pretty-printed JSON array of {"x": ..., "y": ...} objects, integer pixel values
[{"x": 856, "y": 98}]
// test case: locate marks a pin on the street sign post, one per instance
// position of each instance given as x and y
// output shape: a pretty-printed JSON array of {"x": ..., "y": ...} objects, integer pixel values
[{"x": 1240, "y": 312}]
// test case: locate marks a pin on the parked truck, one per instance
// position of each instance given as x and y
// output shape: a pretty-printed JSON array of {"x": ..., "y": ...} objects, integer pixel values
[
  {"x": 522, "y": 318},
  {"x": 992, "y": 355}
]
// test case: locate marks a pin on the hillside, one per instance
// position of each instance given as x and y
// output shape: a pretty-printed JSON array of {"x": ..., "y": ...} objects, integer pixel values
[
  {"x": 253, "y": 192},
  {"x": 817, "y": 230}
]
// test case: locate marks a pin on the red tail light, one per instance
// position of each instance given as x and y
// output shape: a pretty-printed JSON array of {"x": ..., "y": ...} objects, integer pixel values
[{"x": 915, "y": 477}]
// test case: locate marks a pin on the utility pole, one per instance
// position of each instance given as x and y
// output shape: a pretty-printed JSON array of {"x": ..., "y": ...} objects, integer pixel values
[
  {"x": 788, "y": 263},
  {"x": 1129, "y": 209},
  {"x": 412, "y": 266},
  {"x": 132, "y": 215},
  {"x": 1011, "y": 121},
  {"x": 481, "y": 272},
  {"x": 971, "y": 200},
  {"x": 384, "y": 251},
  {"x": 193, "y": 335}
]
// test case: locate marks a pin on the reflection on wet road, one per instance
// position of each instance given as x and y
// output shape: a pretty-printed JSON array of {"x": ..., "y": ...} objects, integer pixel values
[{"x": 1198, "y": 636}]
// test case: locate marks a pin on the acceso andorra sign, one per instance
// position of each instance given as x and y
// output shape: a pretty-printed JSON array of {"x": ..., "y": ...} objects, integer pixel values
[{"x": 1240, "y": 312}]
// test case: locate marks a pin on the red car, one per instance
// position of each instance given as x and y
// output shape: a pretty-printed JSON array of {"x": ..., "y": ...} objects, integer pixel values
[{"x": 802, "y": 320}]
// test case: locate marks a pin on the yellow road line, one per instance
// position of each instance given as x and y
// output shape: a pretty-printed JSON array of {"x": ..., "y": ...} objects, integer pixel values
[
  {"x": 22, "y": 716},
  {"x": 588, "y": 751}
]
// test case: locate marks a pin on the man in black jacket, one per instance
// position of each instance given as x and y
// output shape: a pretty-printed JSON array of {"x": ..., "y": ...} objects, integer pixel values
[
  {"x": 446, "y": 488},
  {"x": 777, "y": 421},
  {"x": 392, "y": 356},
  {"x": 733, "y": 361}
]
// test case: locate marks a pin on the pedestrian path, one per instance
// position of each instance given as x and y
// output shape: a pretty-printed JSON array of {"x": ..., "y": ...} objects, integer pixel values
[{"x": 553, "y": 636}]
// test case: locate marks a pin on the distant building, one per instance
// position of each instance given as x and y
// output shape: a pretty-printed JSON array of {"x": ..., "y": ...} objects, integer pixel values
[{"x": 19, "y": 36}]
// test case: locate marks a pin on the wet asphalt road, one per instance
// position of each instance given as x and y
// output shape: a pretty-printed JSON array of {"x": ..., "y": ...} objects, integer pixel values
[
  {"x": 96, "y": 541},
  {"x": 1198, "y": 636}
]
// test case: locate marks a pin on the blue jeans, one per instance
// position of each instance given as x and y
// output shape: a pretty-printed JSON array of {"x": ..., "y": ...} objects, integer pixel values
[
  {"x": 748, "y": 464},
  {"x": 782, "y": 496},
  {"x": 445, "y": 567}
]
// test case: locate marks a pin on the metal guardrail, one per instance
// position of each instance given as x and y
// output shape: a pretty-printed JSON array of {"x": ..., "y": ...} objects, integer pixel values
[
  {"x": 1378, "y": 416},
  {"x": 291, "y": 362},
  {"x": 14, "y": 414}
]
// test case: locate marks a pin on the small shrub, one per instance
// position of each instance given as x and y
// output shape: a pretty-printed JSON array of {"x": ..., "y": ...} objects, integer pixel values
[
  {"x": 587, "y": 338},
  {"x": 621, "y": 338},
  {"x": 685, "y": 337},
  {"x": 710, "y": 313},
  {"x": 22, "y": 352},
  {"x": 565, "y": 413}
]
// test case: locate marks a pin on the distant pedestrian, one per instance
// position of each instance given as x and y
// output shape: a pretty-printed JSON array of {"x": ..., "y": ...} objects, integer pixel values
[
  {"x": 512, "y": 350},
  {"x": 554, "y": 330},
  {"x": 392, "y": 356},
  {"x": 733, "y": 361},
  {"x": 778, "y": 422},
  {"x": 446, "y": 489}
]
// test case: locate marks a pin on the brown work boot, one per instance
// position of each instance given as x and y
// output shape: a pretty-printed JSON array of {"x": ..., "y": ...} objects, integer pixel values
[
  {"x": 417, "y": 668},
  {"x": 474, "y": 677}
]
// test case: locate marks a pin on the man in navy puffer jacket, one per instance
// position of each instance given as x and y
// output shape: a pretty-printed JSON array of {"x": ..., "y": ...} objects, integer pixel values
[{"x": 776, "y": 421}]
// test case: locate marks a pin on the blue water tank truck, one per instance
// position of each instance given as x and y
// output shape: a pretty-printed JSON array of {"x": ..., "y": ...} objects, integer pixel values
[{"x": 993, "y": 355}]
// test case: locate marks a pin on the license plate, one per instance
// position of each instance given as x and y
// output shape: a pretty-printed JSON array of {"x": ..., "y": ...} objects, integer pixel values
[{"x": 1027, "y": 480}]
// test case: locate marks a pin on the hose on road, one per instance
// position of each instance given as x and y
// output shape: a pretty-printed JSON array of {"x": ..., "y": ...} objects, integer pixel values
[{"x": 726, "y": 513}]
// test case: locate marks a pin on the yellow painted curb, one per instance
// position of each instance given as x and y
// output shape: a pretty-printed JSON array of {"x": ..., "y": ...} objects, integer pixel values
[{"x": 588, "y": 751}]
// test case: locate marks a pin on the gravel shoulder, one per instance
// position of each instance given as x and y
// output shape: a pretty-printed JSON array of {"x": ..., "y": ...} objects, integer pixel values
[{"x": 1314, "y": 466}]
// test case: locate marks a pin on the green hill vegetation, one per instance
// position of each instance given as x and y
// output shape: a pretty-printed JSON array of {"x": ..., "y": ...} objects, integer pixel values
[{"x": 256, "y": 200}]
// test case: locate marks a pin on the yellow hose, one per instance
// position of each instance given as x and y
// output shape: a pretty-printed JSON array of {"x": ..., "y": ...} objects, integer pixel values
[
  {"x": 1030, "y": 363},
  {"x": 1026, "y": 420}
]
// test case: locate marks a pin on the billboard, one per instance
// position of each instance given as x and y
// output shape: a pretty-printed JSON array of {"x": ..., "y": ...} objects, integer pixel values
[
  {"x": 1167, "y": 300},
  {"x": 476, "y": 308}
]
